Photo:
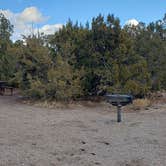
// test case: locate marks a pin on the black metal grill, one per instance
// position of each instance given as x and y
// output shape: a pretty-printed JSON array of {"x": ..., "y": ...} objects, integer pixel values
[{"x": 119, "y": 100}]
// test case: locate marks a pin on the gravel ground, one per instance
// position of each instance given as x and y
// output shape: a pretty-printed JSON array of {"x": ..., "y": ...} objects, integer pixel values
[{"x": 33, "y": 136}]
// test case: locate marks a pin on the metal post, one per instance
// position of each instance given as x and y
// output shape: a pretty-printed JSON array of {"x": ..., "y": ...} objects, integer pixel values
[{"x": 119, "y": 119}]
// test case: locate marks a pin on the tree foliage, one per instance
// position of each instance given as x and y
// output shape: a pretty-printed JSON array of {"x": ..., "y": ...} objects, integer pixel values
[
  {"x": 7, "y": 61},
  {"x": 80, "y": 61}
]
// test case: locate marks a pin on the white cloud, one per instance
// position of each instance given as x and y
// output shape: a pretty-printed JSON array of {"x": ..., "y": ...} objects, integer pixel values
[
  {"x": 132, "y": 22},
  {"x": 31, "y": 14},
  {"x": 24, "y": 21},
  {"x": 50, "y": 29}
]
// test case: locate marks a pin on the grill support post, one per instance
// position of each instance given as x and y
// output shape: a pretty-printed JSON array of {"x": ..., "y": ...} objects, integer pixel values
[{"x": 119, "y": 117}]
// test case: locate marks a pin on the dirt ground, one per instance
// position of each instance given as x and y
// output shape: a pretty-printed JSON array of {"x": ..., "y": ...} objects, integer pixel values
[{"x": 33, "y": 136}]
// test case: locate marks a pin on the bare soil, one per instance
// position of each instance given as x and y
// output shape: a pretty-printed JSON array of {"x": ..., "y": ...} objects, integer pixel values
[{"x": 34, "y": 136}]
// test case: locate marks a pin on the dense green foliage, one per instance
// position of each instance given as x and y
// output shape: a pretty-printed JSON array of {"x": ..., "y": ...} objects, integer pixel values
[
  {"x": 80, "y": 61},
  {"x": 6, "y": 61}
]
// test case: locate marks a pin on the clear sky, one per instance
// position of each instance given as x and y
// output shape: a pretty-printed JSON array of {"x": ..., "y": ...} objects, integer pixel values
[{"x": 58, "y": 11}]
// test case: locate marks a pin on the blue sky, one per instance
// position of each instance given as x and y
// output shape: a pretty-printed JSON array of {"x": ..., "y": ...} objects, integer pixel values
[{"x": 58, "y": 11}]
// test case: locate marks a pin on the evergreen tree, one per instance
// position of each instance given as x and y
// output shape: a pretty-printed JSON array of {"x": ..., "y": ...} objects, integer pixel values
[{"x": 6, "y": 60}]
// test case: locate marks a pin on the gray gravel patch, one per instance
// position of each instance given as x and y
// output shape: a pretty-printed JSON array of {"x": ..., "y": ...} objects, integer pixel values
[{"x": 32, "y": 136}]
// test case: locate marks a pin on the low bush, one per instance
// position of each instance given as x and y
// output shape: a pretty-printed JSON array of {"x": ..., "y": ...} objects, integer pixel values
[{"x": 141, "y": 103}]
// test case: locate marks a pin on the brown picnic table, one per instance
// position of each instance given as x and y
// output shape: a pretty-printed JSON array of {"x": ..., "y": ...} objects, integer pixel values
[{"x": 4, "y": 86}]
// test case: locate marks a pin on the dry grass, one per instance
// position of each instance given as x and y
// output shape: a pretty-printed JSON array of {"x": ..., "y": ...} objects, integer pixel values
[
  {"x": 72, "y": 105},
  {"x": 51, "y": 104},
  {"x": 139, "y": 104},
  {"x": 158, "y": 97},
  {"x": 62, "y": 105}
]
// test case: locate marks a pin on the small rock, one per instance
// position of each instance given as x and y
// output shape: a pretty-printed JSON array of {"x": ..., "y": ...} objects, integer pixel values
[
  {"x": 93, "y": 154},
  {"x": 83, "y": 142},
  {"x": 83, "y": 150}
]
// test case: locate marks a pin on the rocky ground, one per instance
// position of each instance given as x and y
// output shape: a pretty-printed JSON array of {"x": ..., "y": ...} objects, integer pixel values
[{"x": 34, "y": 136}]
